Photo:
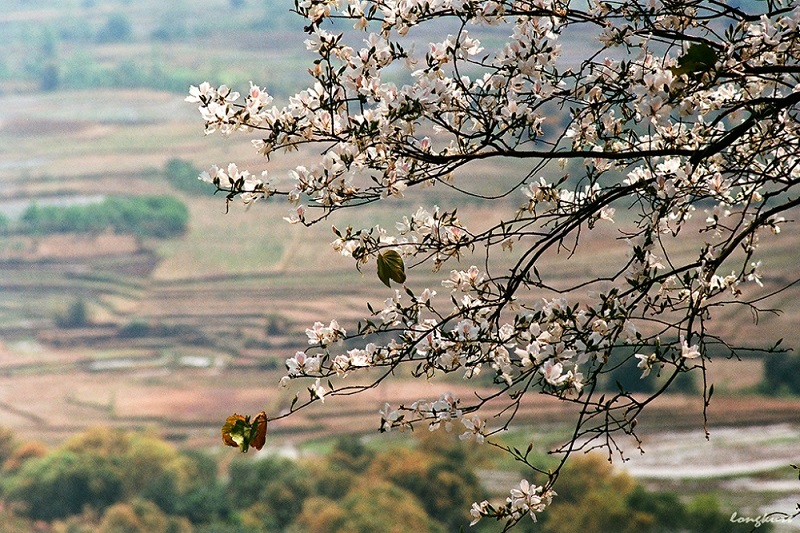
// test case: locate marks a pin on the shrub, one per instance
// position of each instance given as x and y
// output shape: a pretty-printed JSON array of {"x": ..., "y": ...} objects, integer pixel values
[{"x": 781, "y": 374}]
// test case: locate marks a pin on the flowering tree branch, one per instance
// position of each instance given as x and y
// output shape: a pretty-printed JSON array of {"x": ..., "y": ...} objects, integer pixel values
[{"x": 677, "y": 106}]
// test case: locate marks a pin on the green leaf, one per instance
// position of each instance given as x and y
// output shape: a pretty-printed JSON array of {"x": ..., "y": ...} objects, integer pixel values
[
  {"x": 236, "y": 432},
  {"x": 699, "y": 58},
  {"x": 391, "y": 267}
]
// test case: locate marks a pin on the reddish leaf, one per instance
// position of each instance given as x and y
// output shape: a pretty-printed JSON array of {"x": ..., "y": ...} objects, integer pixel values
[{"x": 260, "y": 436}]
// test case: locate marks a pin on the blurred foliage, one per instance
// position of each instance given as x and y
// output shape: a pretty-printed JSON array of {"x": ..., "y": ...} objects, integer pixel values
[
  {"x": 184, "y": 176},
  {"x": 69, "y": 46},
  {"x": 106, "y": 480},
  {"x": 781, "y": 374},
  {"x": 594, "y": 498},
  {"x": 63, "y": 483},
  {"x": 626, "y": 373},
  {"x": 81, "y": 70},
  {"x": 75, "y": 316},
  {"x": 116, "y": 29},
  {"x": 22, "y": 453}
]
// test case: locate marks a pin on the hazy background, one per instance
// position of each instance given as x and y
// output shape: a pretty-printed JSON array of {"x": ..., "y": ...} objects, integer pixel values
[{"x": 129, "y": 299}]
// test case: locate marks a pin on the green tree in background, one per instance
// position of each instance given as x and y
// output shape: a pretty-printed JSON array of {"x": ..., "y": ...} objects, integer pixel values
[
  {"x": 76, "y": 316},
  {"x": 117, "y": 28},
  {"x": 594, "y": 498},
  {"x": 781, "y": 374},
  {"x": 46, "y": 67},
  {"x": 94, "y": 470},
  {"x": 63, "y": 484},
  {"x": 276, "y": 503},
  {"x": 184, "y": 176}
]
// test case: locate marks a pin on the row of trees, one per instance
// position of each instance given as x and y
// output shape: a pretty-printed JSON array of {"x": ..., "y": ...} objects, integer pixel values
[
  {"x": 80, "y": 70},
  {"x": 110, "y": 481},
  {"x": 145, "y": 216}
]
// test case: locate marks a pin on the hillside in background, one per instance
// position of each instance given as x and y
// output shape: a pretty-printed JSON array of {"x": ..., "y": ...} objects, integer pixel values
[{"x": 173, "y": 332}]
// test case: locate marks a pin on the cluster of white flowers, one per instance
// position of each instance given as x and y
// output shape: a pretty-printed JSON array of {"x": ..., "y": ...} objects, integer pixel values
[
  {"x": 355, "y": 359},
  {"x": 438, "y": 413},
  {"x": 440, "y": 233},
  {"x": 321, "y": 335},
  {"x": 303, "y": 365},
  {"x": 529, "y": 499},
  {"x": 659, "y": 124},
  {"x": 249, "y": 187},
  {"x": 465, "y": 280},
  {"x": 526, "y": 499}
]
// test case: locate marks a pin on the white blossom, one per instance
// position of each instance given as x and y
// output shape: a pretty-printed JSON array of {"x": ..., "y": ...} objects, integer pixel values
[
  {"x": 475, "y": 429},
  {"x": 645, "y": 364},
  {"x": 687, "y": 351}
]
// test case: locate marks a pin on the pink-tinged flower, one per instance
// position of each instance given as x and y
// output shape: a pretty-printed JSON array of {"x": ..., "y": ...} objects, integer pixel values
[
  {"x": 531, "y": 354},
  {"x": 302, "y": 364},
  {"x": 553, "y": 372},
  {"x": 475, "y": 429},
  {"x": 323, "y": 335},
  {"x": 467, "y": 330},
  {"x": 296, "y": 214}
]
